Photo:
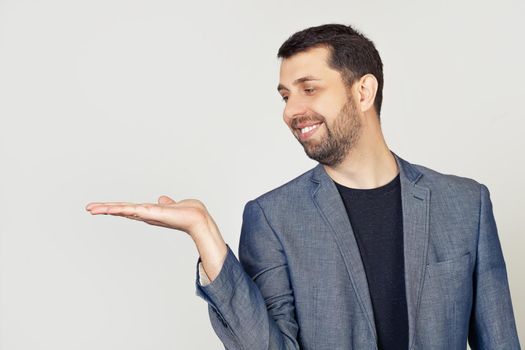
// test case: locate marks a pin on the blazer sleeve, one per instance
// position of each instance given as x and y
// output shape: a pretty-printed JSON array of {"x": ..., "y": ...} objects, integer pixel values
[
  {"x": 251, "y": 302},
  {"x": 492, "y": 324}
]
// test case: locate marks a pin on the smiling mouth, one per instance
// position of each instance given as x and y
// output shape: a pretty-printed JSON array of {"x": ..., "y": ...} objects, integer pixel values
[{"x": 308, "y": 131}]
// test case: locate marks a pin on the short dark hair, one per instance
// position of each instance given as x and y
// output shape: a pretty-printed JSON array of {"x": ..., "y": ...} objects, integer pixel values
[{"x": 351, "y": 53}]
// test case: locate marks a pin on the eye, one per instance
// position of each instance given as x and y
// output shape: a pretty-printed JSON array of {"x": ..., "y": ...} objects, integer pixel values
[
  {"x": 309, "y": 90},
  {"x": 285, "y": 98}
]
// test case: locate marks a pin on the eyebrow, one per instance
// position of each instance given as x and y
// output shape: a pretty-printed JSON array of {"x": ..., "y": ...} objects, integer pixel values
[{"x": 297, "y": 81}]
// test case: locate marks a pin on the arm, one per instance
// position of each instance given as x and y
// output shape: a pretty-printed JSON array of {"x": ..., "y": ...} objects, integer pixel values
[
  {"x": 492, "y": 324},
  {"x": 250, "y": 301},
  {"x": 249, "y": 310}
]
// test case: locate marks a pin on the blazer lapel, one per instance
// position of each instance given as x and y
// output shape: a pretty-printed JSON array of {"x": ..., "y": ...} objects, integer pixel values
[
  {"x": 415, "y": 202},
  {"x": 415, "y": 207},
  {"x": 330, "y": 204}
]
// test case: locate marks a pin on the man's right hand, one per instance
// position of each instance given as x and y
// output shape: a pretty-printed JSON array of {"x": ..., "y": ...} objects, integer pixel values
[{"x": 188, "y": 215}]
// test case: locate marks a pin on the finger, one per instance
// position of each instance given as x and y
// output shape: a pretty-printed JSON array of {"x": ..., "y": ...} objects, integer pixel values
[
  {"x": 165, "y": 200},
  {"x": 144, "y": 211},
  {"x": 150, "y": 213},
  {"x": 94, "y": 204},
  {"x": 141, "y": 212},
  {"x": 115, "y": 209}
]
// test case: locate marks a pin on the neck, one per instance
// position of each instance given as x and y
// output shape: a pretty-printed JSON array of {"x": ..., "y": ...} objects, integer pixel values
[{"x": 369, "y": 164}]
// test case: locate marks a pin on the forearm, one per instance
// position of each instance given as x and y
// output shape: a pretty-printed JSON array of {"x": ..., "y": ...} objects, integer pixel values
[
  {"x": 240, "y": 316},
  {"x": 243, "y": 316}
]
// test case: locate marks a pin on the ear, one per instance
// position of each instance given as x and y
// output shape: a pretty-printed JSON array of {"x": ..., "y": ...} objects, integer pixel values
[{"x": 366, "y": 91}]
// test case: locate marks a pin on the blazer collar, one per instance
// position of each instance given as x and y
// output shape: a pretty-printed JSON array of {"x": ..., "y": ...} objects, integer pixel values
[
  {"x": 415, "y": 210},
  {"x": 407, "y": 171}
]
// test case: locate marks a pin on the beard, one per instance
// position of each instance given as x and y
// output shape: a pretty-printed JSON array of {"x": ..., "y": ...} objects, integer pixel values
[{"x": 340, "y": 137}]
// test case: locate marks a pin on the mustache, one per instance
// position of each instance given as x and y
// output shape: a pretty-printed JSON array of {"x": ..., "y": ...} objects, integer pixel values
[{"x": 317, "y": 118}]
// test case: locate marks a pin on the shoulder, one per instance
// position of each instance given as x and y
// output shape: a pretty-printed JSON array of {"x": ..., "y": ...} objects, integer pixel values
[
  {"x": 449, "y": 186},
  {"x": 291, "y": 191},
  {"x": 441, "y": 185}
]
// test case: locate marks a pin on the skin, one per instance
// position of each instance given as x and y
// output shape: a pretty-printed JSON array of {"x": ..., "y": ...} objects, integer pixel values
[
  {"x": 342, "y": 132},
  {"x": 349, "y": 143},
  {"x": 368, "y": 163}
]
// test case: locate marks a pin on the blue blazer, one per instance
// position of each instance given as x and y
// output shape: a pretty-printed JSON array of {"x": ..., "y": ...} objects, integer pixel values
[{"x": 299, "y": 282}]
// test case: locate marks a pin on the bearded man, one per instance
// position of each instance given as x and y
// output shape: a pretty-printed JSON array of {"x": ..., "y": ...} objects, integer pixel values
[{"x": 365, "y": 250}]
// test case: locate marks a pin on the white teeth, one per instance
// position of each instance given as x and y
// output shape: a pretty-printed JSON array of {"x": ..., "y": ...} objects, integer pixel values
[{"x": 308, "y": 128}]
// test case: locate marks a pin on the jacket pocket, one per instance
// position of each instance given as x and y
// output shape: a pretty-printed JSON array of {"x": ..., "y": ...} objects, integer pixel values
[
  {"x": 450, "y": 267},
  {"x": 445, "y": 303}
]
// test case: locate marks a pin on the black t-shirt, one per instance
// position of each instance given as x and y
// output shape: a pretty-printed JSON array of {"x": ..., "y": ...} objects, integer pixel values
[{"x": 376, "y": 218}]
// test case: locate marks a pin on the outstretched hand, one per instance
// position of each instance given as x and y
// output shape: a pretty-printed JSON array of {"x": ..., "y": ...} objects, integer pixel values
[{"x": 188, "y": 215}]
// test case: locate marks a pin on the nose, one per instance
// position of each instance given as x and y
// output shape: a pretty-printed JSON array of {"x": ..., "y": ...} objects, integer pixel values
[{"x": 294, "y": 108}]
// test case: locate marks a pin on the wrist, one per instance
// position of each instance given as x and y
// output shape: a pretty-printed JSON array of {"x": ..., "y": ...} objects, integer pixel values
[{"x": 211, "y": 247}]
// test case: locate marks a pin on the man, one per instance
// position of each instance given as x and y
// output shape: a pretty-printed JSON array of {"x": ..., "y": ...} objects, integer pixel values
[{"x": 365, "y": 250}]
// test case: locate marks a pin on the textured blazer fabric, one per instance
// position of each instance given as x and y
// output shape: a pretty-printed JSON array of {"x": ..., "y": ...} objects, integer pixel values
[{"x": 299, "y": 282}]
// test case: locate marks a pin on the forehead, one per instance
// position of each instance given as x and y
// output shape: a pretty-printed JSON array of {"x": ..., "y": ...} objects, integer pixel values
[{"x": 312, "y": 62}]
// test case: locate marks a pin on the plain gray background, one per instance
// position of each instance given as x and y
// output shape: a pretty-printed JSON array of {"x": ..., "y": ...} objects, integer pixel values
[{"x": 119, "y": 100}]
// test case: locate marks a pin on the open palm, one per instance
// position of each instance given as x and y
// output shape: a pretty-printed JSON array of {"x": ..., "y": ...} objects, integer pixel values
[{"x": 187, "y": 215}]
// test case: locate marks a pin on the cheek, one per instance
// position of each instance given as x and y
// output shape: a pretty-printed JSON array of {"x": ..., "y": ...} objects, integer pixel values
[{"x": 329, "y": 108}]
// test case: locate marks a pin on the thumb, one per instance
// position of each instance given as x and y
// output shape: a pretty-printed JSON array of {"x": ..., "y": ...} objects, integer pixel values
[{"x": 166, "y": 200}]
